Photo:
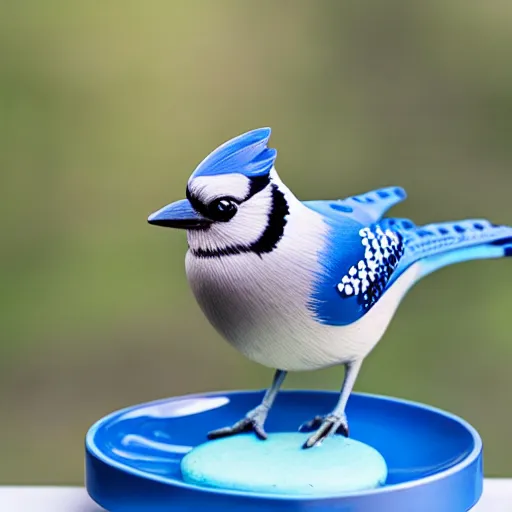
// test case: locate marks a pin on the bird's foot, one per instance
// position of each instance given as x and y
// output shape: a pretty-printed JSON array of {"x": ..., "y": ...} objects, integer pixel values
[
  {"x": 253, "y": 421},
  {"x": 325, "y": 426}
]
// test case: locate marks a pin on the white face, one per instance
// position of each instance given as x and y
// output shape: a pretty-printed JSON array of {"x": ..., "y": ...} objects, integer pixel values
[{"x": 247, "y": 225}]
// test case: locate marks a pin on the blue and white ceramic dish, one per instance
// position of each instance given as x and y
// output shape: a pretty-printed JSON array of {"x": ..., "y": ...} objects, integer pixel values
[{"x": 133, "y": 456}]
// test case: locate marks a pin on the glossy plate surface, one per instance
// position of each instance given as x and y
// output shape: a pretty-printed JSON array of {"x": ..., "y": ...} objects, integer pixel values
[{"x": 133, "y": 456}]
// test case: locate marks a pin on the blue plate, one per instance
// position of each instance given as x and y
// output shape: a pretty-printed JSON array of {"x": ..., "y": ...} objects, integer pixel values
[{"x": 133, "y": 456}]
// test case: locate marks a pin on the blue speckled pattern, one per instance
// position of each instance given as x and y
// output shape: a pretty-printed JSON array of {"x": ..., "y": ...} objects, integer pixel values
[
  {"x": 280, "y": 466},
  {"x": 367, "y": 279},
  {"x": 133, "y": 456}
]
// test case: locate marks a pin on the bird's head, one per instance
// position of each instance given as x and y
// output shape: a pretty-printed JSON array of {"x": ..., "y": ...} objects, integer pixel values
[{"x": 235, "y": 201}]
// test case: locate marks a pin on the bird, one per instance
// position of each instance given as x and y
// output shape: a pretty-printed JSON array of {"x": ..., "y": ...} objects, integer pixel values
[{"x": 305, "y": 285}]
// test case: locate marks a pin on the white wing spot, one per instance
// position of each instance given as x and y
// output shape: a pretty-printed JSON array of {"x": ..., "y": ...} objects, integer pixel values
[{"x": 368, "y": 279}]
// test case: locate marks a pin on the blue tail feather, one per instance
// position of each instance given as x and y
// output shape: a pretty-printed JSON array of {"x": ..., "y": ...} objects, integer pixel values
[
  {"x": 506, "y": 243},
  {"x": 440, "y": 244},
  {"x": 503, "y": 241},
  {"x": 478, "y": 252}
]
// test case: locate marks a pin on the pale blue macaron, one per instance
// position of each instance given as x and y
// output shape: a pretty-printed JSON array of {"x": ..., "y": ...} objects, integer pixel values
[{"x": 279, "y": 465}]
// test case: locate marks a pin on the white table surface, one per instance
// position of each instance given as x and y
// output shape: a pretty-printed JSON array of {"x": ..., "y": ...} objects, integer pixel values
[{"x": 497, "y": 497}]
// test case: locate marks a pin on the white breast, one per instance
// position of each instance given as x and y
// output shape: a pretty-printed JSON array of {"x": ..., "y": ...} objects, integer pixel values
[{"x": 259, "y": 304}]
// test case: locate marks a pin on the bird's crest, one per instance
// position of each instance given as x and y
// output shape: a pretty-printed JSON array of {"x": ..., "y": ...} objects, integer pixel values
[{"x": 246, "y": 154}]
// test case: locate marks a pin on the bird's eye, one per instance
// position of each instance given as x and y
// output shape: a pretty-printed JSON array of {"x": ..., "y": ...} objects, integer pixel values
[{"x": 222, "y": 209}]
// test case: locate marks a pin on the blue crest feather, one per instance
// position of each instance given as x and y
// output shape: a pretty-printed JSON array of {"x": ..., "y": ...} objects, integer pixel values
[{"x": 246, "y": 154}]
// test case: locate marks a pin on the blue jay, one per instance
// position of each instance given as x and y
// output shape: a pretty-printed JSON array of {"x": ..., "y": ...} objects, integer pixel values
[{"x": 303, "y": 285}]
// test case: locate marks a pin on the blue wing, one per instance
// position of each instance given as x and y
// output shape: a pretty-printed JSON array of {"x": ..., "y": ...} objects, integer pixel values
[
  {"x": 365, "y": 208},
  {"x": 359, "y": 265}
]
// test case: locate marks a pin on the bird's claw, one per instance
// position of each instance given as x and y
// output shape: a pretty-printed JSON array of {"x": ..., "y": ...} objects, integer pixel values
[
  {"x": 311, "y": 425},
  {"x": 253, "y": 422},
  {"x": 325, "y": 427}
]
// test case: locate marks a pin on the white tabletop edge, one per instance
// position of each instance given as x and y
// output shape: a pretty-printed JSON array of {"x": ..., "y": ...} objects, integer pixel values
[{"x": 497, "y": 497}]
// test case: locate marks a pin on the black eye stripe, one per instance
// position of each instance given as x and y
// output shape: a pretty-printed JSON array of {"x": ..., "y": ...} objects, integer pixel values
[
  {"x": 218, "y": 209},
  {"x": 269, "y": 239},
  {"x": 257, "y": 184},
  {"x": 198, "y": 206}
]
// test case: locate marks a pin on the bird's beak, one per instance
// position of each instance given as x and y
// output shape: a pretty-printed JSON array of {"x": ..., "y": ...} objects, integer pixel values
[{"x": 179, "y": 214}]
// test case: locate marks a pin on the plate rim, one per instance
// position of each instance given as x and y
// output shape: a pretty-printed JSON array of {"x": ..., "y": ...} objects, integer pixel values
[{"x": 466, "y": 462}]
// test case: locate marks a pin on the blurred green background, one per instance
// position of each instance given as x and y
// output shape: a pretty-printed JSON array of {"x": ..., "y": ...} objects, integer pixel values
[{"x": 105, "y": 110}]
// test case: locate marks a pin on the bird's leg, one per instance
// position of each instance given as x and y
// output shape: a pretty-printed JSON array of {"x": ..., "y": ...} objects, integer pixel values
[
  {"x": 336, "y": 421},
  {"x": 255, "y": 418}
]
